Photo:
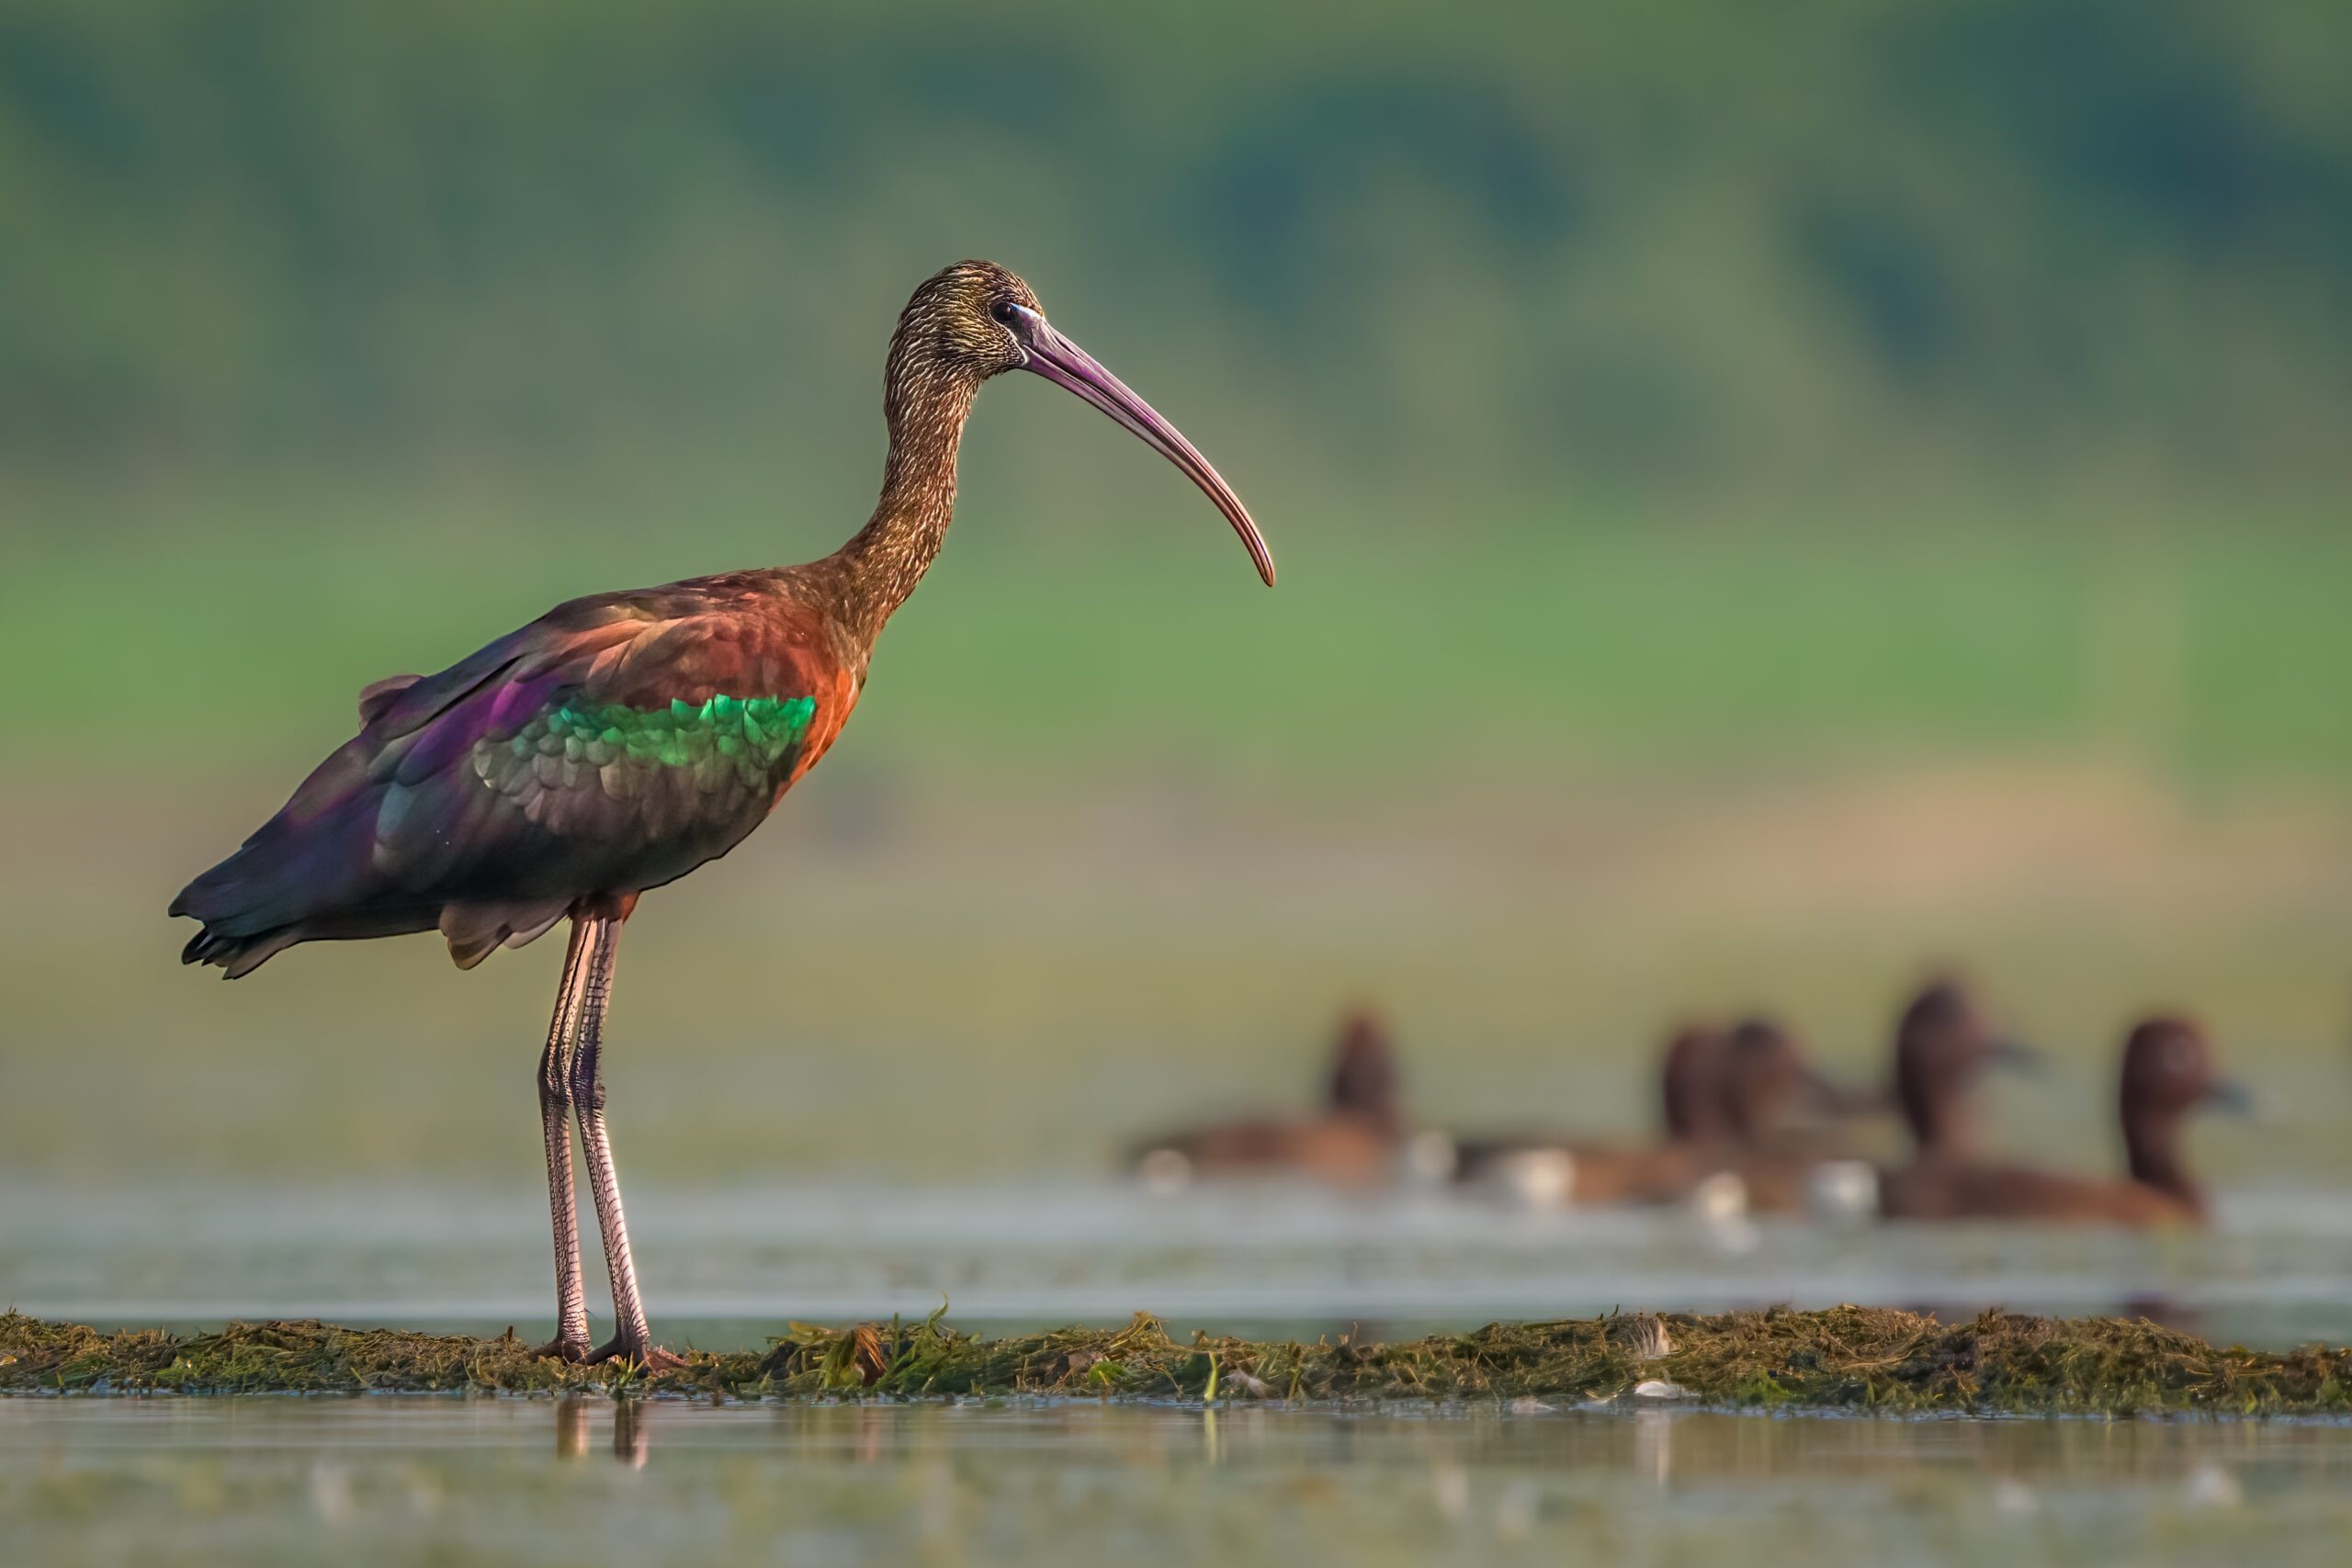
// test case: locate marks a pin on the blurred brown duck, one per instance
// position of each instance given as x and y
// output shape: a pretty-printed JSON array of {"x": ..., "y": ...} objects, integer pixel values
[
  {"x": 2167, "y": 1071},
  {"x": 1727, "y": 1098},
  {"x": 1943, "y": 1044},
  {"x": 1354, "y": 1141},
  {"x": 1545, "y": 1167},
  {"x": 1773, "y": 1100}
]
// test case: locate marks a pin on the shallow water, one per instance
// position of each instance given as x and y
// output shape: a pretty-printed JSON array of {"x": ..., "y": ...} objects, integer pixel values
[
  {"x": 467, "y": 1480},
  {"x": 457, "y": 1481},
  {"x": 722, "y": 1269}
]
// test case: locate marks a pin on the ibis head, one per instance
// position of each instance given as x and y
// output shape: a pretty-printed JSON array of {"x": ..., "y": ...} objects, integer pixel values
[{"x": 975, "y": 319}]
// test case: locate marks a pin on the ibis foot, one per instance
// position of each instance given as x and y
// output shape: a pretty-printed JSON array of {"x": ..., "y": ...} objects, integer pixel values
[
  {"x": 572, "y": 1350},
  {"x": 649, "y": 1358}
]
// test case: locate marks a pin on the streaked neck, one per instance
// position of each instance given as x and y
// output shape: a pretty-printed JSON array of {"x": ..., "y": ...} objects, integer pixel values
[{"x": 884, "y": 561}]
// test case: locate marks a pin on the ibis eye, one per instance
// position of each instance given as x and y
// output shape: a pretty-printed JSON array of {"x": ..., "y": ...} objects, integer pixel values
[{"x": 1005, "y": 310}]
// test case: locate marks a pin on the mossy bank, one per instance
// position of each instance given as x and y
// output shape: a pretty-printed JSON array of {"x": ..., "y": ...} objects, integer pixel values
[{"x": 1849, "y": 1358}]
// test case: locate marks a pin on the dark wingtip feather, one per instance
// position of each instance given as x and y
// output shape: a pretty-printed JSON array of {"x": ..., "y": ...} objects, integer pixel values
[
  {"x": 236, "y": 957},
  {"x": 250, "y": 955}
]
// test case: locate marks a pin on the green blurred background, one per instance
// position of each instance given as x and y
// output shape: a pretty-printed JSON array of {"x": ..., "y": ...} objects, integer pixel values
[{"x": 1770, "y": 498}]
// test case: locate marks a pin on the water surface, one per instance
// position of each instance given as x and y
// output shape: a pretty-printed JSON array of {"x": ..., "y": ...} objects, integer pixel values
[
  {"x": 449, "y": 1480},
  {"x": 724, "y": 1267}
]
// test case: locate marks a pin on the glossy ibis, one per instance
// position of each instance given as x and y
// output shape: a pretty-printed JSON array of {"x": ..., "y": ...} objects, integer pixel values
[{"x": 620, "y": 740}]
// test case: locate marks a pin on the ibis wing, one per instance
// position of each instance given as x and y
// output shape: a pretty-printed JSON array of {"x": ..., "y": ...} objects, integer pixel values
[{"x": 613, "y": 744}]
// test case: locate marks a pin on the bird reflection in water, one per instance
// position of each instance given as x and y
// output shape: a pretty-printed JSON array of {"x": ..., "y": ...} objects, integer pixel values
[{"x": 631, "y": 1439}]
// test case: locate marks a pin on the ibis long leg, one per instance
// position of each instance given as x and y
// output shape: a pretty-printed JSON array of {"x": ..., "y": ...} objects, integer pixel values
[
  {"x": 631, "y": 1337},
  {"x": 571, "y": 1341}
]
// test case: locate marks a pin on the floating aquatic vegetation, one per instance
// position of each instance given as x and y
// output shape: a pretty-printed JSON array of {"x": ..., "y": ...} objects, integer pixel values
[{"x": 1860, "y": 1359}]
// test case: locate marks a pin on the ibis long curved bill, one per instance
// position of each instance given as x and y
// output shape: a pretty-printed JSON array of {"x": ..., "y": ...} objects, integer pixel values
[{"x": 1067, "y": 366}]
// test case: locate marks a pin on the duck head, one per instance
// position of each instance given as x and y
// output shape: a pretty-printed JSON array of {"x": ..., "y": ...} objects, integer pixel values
[{"x": 1942, "y": 1044}]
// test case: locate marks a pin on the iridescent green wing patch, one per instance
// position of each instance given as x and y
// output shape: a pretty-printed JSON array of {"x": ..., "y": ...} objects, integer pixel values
[{"x": 725, "y": 741}]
